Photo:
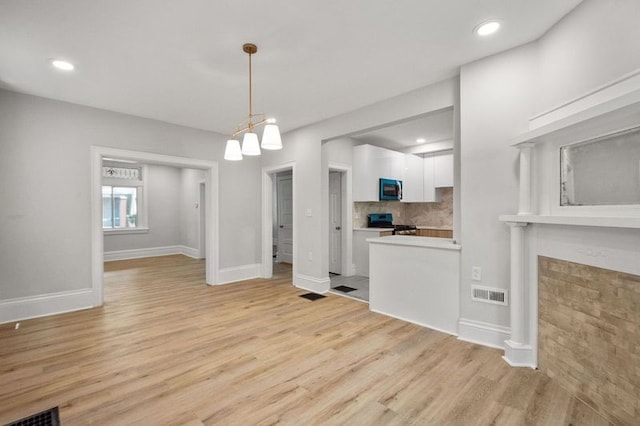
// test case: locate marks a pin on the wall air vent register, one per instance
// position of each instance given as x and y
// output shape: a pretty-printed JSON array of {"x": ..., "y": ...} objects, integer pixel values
[{"x": 497, "y": 296}]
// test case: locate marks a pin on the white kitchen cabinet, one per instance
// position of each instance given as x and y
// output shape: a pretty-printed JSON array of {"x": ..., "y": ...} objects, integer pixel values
[
  {"x": 365, "y": 171},
  {"x": 429, "y": 193},
  {"x": 413, "y": 179},
  {"x": 443, "y": 170},
  {"x": 361, "y": 248},
  {"x": 370, "y": 163}
]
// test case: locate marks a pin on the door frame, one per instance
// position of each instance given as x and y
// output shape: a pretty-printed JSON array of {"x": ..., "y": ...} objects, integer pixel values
[
  {"x": 268, "y": 178},
  {"x": 202, "y": 220},
  {"x": 97, "y": 234},
  {"x": 347, "y": 216}
]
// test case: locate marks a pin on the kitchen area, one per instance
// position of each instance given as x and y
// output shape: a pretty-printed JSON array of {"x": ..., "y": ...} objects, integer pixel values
[{"x": 405, "y": 261}]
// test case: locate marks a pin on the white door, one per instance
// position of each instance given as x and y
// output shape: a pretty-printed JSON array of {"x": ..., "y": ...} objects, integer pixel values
[
  {"x": 285, "y": 219},
  {"x": 335, "y": 222}
]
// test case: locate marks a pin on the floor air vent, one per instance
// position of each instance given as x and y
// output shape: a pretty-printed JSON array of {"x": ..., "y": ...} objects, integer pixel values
[
  {"x": 49, "y": 417},
  {"x": 497, "y": 296}
]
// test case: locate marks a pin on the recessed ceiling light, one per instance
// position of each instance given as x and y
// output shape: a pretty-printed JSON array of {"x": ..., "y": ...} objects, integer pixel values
[
  {"x": 62, "y": 65},
  {"x": 421, "y": 140},
  {"x": 487, "y": 28}
]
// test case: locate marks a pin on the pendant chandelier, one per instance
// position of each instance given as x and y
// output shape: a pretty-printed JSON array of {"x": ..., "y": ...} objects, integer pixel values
[{"x": 250, "y": 145}]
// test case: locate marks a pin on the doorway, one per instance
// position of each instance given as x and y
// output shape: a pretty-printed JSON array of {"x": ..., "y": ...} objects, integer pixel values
[
  {"x": 284, "y": 217},
  {"x": 279, "y": 236},
  {"x": 211, "y": 242},
  {"x": 335, "y": 223}
]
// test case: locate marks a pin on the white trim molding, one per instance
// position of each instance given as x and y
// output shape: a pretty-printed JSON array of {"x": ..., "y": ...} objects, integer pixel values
[
  {"x": 239, "y": 273},
  {"x": 421, "y": 324},
  {"x": 316, "y": 285},
  {"x": 23, "y": 308},
  {"x": 519, "y": 354},
  {"x": 110, "y": 256},
  {"x": 348, "y": 267},
  {"x": 483, "y": 333}
]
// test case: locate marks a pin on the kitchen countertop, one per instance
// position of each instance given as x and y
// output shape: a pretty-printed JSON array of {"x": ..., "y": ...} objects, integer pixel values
[
  {"x": 412, "y": 241},
  {"x": 439, "y": 228},
  {"x": 373, "y": 229}
]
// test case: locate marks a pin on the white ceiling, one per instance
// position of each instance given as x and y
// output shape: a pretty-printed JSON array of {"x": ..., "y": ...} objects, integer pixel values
[
  {"x": 182, "y": 62},
  {"x": 435, "y": 127}
]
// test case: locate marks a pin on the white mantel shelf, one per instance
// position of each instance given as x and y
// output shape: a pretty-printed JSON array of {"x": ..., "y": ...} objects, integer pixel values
[{"x": 608, "y": 222}]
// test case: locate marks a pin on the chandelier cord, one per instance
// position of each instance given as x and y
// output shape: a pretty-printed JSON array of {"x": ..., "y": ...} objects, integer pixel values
[{"x": 250, "y": 97}]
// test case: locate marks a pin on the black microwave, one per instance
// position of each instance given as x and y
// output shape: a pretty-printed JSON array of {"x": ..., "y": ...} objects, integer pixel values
[{"x": 390, "y": 189}]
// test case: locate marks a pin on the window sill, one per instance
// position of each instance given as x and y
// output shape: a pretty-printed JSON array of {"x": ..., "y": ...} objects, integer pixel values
[{"x": 124, "y": 231}]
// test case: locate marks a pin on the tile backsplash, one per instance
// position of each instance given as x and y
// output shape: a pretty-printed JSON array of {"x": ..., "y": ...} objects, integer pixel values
[{"x": 420, "y": 214}]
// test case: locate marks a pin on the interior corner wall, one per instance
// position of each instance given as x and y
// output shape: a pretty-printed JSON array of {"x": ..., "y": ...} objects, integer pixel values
[
  {"x": 496, "y": 97},
  {"x": 45, "y": 220}
]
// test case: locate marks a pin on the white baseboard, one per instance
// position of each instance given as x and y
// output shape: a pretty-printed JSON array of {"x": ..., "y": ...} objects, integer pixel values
[
  {"x": 23, "y": 308},
  {"x": 483, "y": 333},
  {"x": 239, "y": 273},
  {"x": 190, "y": 252},
  {"x": 441, "y": 330},
  {"x": 313, "y": 284},
  {"x": 110, "y": 256},
  {"x": 518, "y": 355}
]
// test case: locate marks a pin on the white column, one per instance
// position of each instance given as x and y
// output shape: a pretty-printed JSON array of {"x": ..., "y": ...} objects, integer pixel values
[
  {"x": 524, "y": 204},
  {"x": 518, "y": 334},
  {"x": 518, "y": 350}
]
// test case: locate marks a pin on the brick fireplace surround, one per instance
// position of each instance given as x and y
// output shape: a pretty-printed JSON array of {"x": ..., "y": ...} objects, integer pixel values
[{"x": 589, "y": 335}]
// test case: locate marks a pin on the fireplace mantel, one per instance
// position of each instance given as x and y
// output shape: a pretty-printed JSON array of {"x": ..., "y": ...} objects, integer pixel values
[
  {"x": 597, "y": 221},
  {"x": 605, "y": 235}
]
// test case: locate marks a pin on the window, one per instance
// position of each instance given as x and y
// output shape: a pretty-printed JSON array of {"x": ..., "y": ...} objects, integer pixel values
[
  {"x": 119, "y": 207},
  {"x": 123, "y": 203}
]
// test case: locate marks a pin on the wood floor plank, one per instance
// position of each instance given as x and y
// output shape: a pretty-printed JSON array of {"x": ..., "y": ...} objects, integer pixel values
[{"x": 168, "y": 349}]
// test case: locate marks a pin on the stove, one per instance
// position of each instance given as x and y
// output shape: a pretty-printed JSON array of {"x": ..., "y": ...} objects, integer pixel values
[
  {"x": 385, "y": 220},
  {"x": 404, "y": 230}
]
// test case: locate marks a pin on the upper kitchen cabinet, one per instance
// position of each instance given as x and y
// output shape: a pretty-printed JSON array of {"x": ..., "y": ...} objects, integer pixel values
[
  {"x": 413, "y": 179},
  {"x": 443, "y": 170},
  {"x": 429, "y": 193},
  {"x": 370, "y": 163}
]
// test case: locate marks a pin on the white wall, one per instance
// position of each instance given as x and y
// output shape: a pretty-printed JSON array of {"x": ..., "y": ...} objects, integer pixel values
[
  {"x": 594, "y": 44},
  {"x": 495, "y": 104},
  {"x": 45, "y": 239}
]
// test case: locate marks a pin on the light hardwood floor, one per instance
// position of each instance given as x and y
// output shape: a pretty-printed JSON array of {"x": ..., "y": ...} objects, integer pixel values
[{"x": 167, "y": 349}]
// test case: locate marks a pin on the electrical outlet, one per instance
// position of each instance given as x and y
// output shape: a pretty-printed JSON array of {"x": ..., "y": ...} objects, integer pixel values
[
  {"x": 309, "y": 213},
  {"x": 310, "y": 256},
  {"x": 476, "y": 273}
]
